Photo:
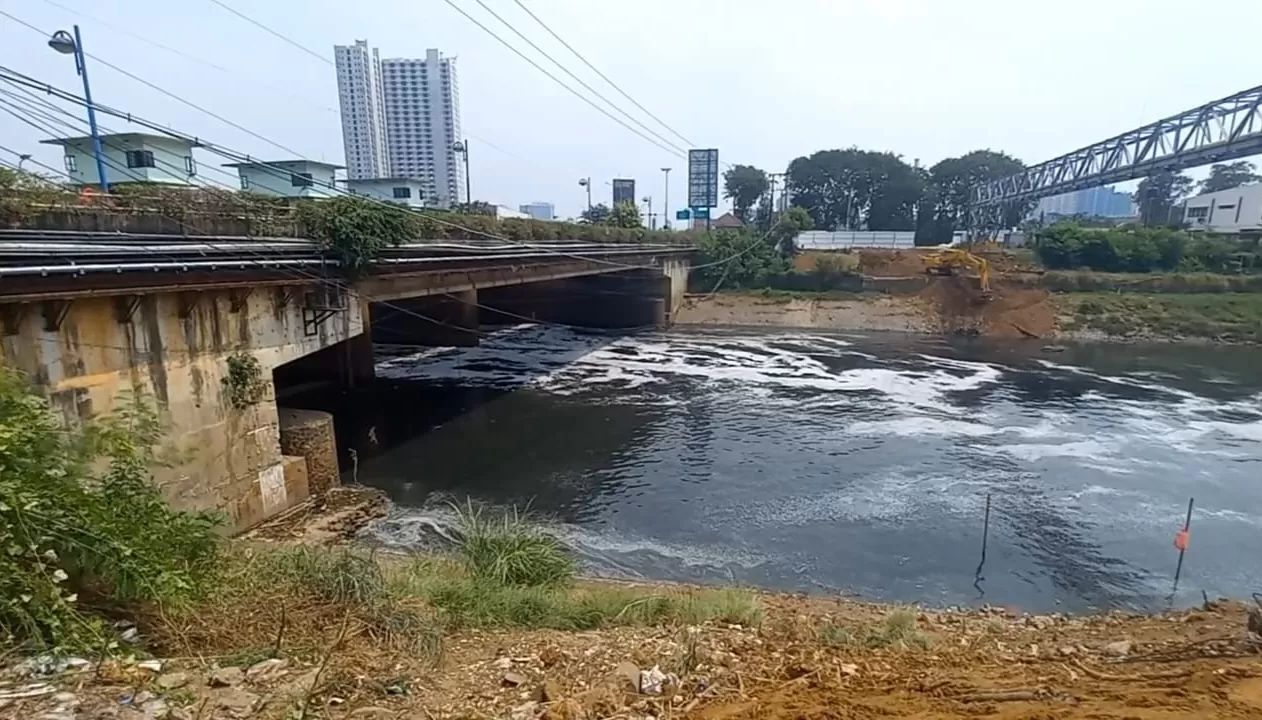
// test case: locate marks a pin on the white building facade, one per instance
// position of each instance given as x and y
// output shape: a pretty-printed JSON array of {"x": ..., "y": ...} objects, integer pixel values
[
  {"x": 361, "y": 98},
  {"x": 422, "y": 110},
  {"x": 1234, "y": 211},
  {"x": 402, "y": 191},
  {"x": 130, "y": 158},
  {"x": 288, "y": 178}
]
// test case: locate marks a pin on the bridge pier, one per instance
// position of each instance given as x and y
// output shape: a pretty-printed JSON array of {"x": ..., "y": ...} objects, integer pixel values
[{"x": 89, "y": 354}]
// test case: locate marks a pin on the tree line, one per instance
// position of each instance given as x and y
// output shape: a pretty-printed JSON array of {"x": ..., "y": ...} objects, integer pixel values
[{"x": 855, "y": 189}]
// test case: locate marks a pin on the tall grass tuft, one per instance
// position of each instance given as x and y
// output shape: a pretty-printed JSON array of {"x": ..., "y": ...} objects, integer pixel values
[
  {"x": 509, "y": 550},
  {"x": 898, "y": 630}
]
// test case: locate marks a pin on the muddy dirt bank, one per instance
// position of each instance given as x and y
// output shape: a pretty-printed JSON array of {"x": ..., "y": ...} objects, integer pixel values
[{"x": 944, "y": 307}]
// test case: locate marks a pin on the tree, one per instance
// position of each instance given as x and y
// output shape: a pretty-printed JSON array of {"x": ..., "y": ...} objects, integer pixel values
[
  {"x": 597, "y": 214},
  {"x": 1158, "y": 194},
  {"x": 784, "y": 232},
  {"x": 951, "y": 184},
  {"x": 1229, "y": 175},
  {"x": 744, "y": 184},
  {"x": 624, "y": 215},
  {"x": 856, "y": 189}
]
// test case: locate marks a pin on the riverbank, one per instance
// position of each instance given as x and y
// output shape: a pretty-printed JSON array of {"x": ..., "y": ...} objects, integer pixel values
[
  {"x": 1015, "y": 312},
  {"x": 348, "y": 633}
]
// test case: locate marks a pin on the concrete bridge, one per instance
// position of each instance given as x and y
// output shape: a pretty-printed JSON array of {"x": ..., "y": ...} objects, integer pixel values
[{"x": 91, "y": 316}]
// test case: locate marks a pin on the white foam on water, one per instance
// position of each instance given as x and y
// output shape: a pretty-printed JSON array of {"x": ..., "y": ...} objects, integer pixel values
[{"x": 921, "y": 426}]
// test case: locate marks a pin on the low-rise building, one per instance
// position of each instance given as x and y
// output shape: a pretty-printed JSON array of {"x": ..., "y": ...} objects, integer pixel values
[
  {"x": 539, "y": 210},
  {"x": 503, "y": 211},
  {"x": 1234, "y": 211},
  {"x": 288, "y": 178},
  {"x": 404, "y": 191},
  {"x": 129, "y": 158}
]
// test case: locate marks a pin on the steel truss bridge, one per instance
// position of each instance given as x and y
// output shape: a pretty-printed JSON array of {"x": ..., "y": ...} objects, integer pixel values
[{"x": 1218, "y": 131}]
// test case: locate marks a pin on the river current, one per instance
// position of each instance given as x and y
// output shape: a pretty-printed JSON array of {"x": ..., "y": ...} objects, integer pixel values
[{"x": 848, "y": 463}]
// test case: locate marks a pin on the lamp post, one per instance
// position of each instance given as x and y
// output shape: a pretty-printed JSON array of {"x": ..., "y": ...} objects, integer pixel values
[
  {"x": 22, "y": 158},
  {"x": 587, "y": 183},
  {"x": 64, "y": 43},
  {"x": 462, "y": 147},
  {"x": 648, "y": 200},
  {"x": 666, "y": 200}
]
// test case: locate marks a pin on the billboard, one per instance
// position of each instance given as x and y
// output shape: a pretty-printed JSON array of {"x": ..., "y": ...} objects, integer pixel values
[
  {"x": 623, "y": 191},
  {"x": 703, "y": 178}
]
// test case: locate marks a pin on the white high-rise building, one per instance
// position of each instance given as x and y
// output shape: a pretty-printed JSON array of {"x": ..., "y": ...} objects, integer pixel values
[
  {"x": 423, "y": 123},
  {"x": 360, "y": 96},
  {"x": 416, "y": 105}
]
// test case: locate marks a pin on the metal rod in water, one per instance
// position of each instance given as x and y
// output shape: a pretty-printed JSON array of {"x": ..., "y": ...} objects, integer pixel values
[
  {"x": 1187, "y": 526},
  {"x": 977, "y": 576}
]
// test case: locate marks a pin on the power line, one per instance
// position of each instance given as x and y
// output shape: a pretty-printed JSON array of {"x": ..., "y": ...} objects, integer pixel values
[
  {"x": 61, "y": 94},
  {"x": 21, "y": 79},
  {"x": 270, "y": 31},
  {"x": 555, "y": 79},
  {"x": 577, "y": 79},
  {"x": 604, "y": 77},
  {"x": 193, "y": 58},
  {"x": 164, "y": 91}
]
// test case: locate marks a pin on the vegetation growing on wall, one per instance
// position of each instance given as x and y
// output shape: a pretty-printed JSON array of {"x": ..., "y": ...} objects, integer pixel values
[
  {"x": 355, "y": 230},
  {"x": 1068, "y": 245},
  {"x": 82, "y": 528},
  {"x": 244, "y": 385}
]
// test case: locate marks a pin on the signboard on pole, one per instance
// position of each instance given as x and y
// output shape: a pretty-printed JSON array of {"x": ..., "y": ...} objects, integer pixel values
[
  {"x": 623, "y": 191},
  {"x": 703, "y": 178}
]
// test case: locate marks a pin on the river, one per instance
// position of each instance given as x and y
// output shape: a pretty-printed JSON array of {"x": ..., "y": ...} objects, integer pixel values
[{"x": 847, "y": 463}]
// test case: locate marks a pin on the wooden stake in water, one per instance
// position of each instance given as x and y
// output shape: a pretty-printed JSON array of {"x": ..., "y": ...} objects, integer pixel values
[
  {"x": 1181, "y": 542},
  {"x": 977, "y": 576}
]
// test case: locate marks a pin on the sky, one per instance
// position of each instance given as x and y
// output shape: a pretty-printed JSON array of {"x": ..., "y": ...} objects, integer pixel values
[{"x": 765, "y": 82}]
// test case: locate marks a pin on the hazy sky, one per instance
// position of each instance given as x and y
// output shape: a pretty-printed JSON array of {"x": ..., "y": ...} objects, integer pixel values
[{"x": 764, "y": 82}]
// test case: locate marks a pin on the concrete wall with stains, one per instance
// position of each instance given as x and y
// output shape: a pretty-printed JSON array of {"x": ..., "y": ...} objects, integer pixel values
[
  {"x": 175, "y": 348},
  {"x": 677, "y": 270}
]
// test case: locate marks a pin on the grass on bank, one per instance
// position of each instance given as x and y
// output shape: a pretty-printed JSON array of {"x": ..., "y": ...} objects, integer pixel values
[
  {"x": 504, "y": 573},
  {"x": 1227, "y": 316}
]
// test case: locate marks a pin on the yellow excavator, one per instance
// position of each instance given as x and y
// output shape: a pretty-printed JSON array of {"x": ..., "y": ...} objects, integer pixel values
[{"x": 947, "y": 260}]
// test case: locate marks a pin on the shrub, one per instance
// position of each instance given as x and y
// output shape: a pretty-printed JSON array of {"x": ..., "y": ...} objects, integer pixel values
[
  {"x": 1066, "y": 245},
  {"x": 510, "y": 550},
  {"x": 80, "y": 518}
]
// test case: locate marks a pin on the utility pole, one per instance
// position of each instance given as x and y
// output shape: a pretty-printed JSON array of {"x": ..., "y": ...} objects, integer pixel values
[
  {"x": 462, "y": 147},
  {"x": 62, "y": 42},
  {"x": 666, "y": 201}
]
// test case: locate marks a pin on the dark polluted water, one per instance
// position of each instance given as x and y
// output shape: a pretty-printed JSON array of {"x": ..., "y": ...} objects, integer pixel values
[{"x": 848, "y": 463}]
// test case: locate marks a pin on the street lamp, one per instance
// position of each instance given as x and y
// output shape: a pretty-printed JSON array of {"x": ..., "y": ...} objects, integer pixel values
[
  {"x": 22, "y": 158},
  {"x": 462, "y": 147},
  {"x": 666, "y": 201},
  {"x": 648, "y": 199},
  {"x": 64, "y": 43},
  {"x": 587, "y": 183}
]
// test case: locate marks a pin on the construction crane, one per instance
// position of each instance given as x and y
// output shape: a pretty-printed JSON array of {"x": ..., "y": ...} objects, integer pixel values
[{"x": 945, "y": 260}]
